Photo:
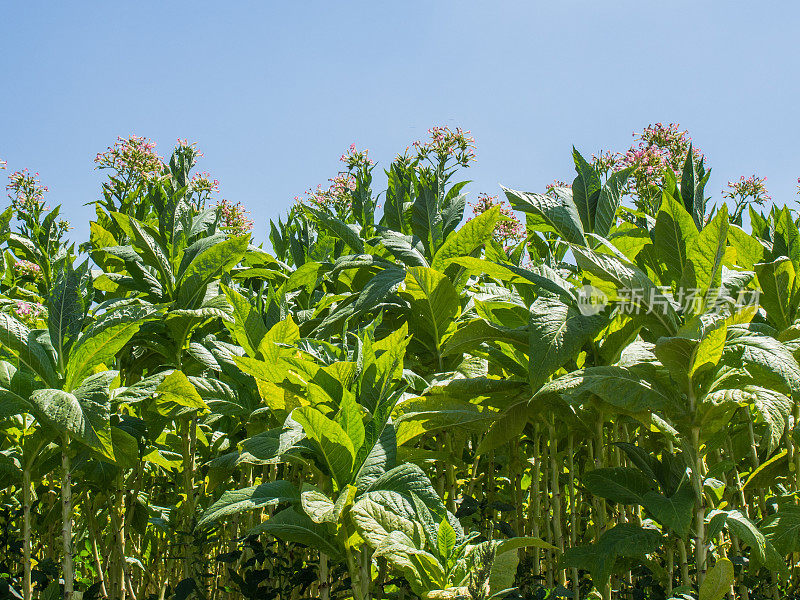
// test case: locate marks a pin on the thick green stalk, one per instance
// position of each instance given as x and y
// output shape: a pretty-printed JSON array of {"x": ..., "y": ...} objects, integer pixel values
[
  {"x": 324, "y": 586},
  {"x": 354, "y": 569},
  {"x": 535, "y": 499},
  {"x": 117, "y": 510},
  {"x": 189, "y": 443},
  {"x": 450, "y": 472},
  {"x": 515, "y": 477},
  {"x": 26, "y": 532},
  {"x": 66, "y": 519},
  {"x": 366, "y": 571},
  {"x": 700, "y": 550},
  {"x": 555, "y": 471},
  {"x": 91, "y": 521},
  {"x": 573, "y": 507}
]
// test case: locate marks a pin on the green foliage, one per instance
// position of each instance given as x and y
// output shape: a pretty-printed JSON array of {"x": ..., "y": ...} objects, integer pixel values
[{"x": 400, "y": 404}]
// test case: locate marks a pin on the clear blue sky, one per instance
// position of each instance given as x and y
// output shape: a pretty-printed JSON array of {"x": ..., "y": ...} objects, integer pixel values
[{"x": 273, "y": 92}]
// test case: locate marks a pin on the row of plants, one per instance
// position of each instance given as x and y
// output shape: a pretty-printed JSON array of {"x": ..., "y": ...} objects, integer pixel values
[{"x": 598, "y": 401}]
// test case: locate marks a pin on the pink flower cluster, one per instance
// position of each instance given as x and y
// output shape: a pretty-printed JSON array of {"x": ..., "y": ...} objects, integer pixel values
[
  {"x": 446, "y": 143},
  {"x": 508, "y": 232},
  {"x": 28, "y": 311},
  {"x": 337, "y": 197},
  {"x": 3, "y": 165},
  {"x": 355, "y": 159},
  {"x": 660, "y": 147},
  {"x": 26, "y": 268},
  {"x": 751, "y": 188},
  {"x": 557, "y": 184},
  {"x": 185, "y": 143},
  {"x": 26, "y": 191},
  {"x": 134, "y": 155},
  {"x": 234, "y": 218},
  {"x": 203, "y": 183}
]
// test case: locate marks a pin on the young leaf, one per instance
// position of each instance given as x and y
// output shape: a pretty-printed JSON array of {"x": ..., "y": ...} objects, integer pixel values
[{"x": 585, "y": 190}]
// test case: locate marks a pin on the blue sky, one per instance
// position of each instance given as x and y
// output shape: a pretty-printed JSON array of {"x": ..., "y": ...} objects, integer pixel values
[{"x": 273, "y": 92}]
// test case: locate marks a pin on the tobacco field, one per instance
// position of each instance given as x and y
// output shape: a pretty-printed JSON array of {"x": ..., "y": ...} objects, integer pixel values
[{"x": 400, "y": 389}]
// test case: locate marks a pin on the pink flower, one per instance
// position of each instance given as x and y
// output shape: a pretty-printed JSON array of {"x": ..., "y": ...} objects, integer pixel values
[
  {"x": 25, "y": 268},
  {"x": 203, "y": 183},
  {"x": 446, "y": 143},
  {"x": 753, "y": 188},
  {"x": 132, "y": 155},
  {"x": 234, "y": 218},
  {"x": 26, "y": 191},
  {"x": 508, "y": 232}
]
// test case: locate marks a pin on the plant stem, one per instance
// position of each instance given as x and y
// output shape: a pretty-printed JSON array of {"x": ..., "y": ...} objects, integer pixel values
[
  {"x": 555, "y": 471},
  {"x": 66, "y": 518},
  {"x": 573, "y": 505},
  {"x": 324, "y": 587},
  {"x": 700, "y": 510},
  {"x": 188, "y": 489},
  {"x": 26, "y": 532}
]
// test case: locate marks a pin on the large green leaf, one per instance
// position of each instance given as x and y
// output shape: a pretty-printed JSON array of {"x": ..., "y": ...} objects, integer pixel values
[
  {"x": 624, "y": 540},
  {"x": 207, "y": 265},
  {"x": 176, "y": 396},
  {"x": 718, "y": 581},
  {"x": 778, "y": 281},
  {"x": 703, "y": 272},
  {"x": 786, "y": 240},
  {"x": 256, "y": 497},
  {"x": 557, "y": 214},
  {"x": 743, "y": 528},
  {"x": 766, "y": 356},
  {"x": 292, "y": 526},
  {"x": 585, "y": 190},
  {"x": 625, "y": 281},
  {"x": 248, "y": 327},
  {"x": 749, "y": 250},
  {"x": 623, "y": 485},
  {"x": 67, "y": 307},
  {"x": 708, "y": 351},
  {"x": 102, "y": 340},
  {"x": 86, "y": 422},
  {"x": 674, "y": 233},
  {"x": 408, "y": 479},
  {"x": 472, "y": 236},
  {"x": 783, "y": 529},
  {"x": 478, "y": 331},
  {"x": 377, "y": 514},
  {"x": 335, "y": 446},
  {"x": 417, "y": 416},
  {"x": 426, "y": 216},
  {"x": 434, "y": 302},
  {"x": 675, "y": 511},
  {"x": 620, "y": 387},
  {"x": 557, "y": 332},
  {"x": 21, "y": 341},
  {"x": 421, "y": 569}
]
